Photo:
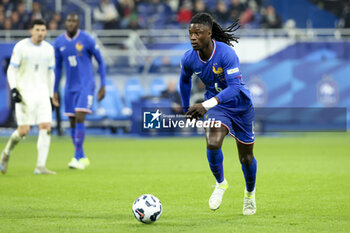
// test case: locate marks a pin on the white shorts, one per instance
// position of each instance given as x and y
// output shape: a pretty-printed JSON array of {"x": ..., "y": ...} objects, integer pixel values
[{"x": 34, "y": 111}]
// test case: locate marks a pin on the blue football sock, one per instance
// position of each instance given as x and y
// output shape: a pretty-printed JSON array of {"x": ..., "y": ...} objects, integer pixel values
[
  {"x": 250, "y": 175},
  {"x": 72, "y": 134},
  {"x": 215, "y": 159},
  {"x": 79, "y": 140}
]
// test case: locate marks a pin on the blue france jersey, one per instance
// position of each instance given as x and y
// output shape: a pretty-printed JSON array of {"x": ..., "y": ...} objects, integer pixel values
[
  {"x": 76, "y": 55},
  {"x": 220, "y": 74}
]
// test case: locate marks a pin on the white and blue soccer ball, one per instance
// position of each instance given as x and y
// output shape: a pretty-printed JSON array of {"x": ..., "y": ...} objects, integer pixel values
[{"x": 147, "y": 208}]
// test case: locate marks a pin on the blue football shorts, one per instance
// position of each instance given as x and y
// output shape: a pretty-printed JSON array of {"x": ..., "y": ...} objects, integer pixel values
[
  {"x": 78, "y": 101},
  {"x": 239, "y": 124}
]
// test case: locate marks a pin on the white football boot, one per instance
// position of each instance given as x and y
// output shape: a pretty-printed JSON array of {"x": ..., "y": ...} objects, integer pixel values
[
  {"x": 40, "y": 170},
  {"x": 74, "y": 163},
  {"x": 83, "y": 163},
  {"x": 249, "y": 205},
  {"x": 216, "y": 197},
  {"x": 4, "y": 162}
]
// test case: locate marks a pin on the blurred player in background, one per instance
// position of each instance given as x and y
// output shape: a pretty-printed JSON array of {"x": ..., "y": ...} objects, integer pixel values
[
  {"x": 31, "y": 79},
  {"x": 74, "y": 49},
  {"x": 227, "y": 99}
]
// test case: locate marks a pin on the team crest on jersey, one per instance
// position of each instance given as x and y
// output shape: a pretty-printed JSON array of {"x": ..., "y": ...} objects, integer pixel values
[
  {"x": 218, "y": 70},
  {"x": 79, "y": 46}
]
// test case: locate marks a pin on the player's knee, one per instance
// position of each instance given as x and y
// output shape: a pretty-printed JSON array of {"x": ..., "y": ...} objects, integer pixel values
[
  {"x": 80, "y": 120},
  {"x": 246, "y": 159},
  {"x": 213, "y": 145},
  {"x": 23, "y": 131},
  {"x": 45, "y": 126}
]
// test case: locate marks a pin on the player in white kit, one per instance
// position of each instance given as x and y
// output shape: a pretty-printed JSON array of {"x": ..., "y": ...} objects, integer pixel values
[{"x": 31, "y": 79}]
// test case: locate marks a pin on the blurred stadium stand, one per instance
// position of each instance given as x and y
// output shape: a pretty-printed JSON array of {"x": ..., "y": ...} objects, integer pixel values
[{"x": 303, "y": 61}]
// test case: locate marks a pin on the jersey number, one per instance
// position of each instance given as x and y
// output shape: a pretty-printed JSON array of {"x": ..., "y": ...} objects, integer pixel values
[{"x": 72, "y": 61}]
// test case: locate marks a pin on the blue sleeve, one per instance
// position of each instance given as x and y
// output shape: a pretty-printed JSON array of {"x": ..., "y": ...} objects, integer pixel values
[
  {"x": 58, "y": 66},
  {"x": 232, "y": 75},
  {"x": 185, "y": 86},
  {"x": 101, "y": 64}
]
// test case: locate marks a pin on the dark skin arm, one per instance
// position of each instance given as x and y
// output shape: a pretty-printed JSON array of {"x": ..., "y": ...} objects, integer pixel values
[
  {"x": 197, "y": 111},
  {"x": 101, "y": 93}
]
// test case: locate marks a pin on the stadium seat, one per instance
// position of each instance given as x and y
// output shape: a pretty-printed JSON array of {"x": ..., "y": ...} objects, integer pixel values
[
  {"x": 133, "y": 91},
  {"x": 157, "y": 86},
  {"x": 112, "y": 105}
]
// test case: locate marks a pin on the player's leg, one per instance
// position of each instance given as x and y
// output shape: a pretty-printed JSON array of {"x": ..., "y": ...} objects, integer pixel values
[
  {"x": 70, "y": 101},
  {"x": 249, "y": 168},
  {"x": 214, "y": 139},
  {"x": 43, "y": 146},
  {"x": 72, "y": 128},
  {"x": 243, "y": 130},
  {"x": 79, "y": 139},
  {"x": 83, "y": 106},
  {"x": 14, "y": 139},
  {"x": 74, "y": 163}
]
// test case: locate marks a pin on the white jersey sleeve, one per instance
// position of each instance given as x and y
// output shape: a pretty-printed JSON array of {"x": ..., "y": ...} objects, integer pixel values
[
  {"x": 51, "y": 71},
  {"x": 16, "y": 56},
  {"x": 15, "y": 62}
]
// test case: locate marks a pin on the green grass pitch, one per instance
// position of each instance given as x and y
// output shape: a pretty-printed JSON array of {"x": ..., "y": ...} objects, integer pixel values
[{"x": 303, "y": 185}]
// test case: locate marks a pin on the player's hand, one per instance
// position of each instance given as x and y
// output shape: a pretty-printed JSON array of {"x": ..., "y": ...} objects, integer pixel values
[
  {"x": 55, "y": 100},
  {"x": 196, "y": 111},
  {"x": 15, "y": 95},
  {"x": 52, "y": 105},
  {"x": 101, "y": 93}
]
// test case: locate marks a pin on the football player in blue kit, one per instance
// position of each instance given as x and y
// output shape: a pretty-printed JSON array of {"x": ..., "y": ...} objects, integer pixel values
[
  {"x": 74, "y": 49},
  {"x": 227, "y": 99}
]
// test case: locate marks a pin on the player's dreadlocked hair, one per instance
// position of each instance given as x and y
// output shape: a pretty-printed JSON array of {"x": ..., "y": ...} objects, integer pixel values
[{"x": 218, "y": 33}]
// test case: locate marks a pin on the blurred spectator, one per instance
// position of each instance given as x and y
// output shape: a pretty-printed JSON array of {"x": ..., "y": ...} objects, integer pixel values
[
  {"x": 236, "y": 9},
  {"x": 174, "y": 5},
  {"x": 2, "y": 20},
  {"x": 22, "y": 14},
  {"x": 246, "y": 17},
  {"x": 15, "y": 21},
  {"x": 57, "y": 17},
  {"x": 173, "y": 95},
  {"x": 199, "y": 6},
  {"x": 221, "y": 13},
  {"x": 133, "y": 21},
  {"x": 125, "y": 8},
  {"x": 36, "y": 11},
  {"x": 8, "y": 6},
  {"x": 53, "y": 25},
  {"x": 184, "y": 15},
  {"x": 271, "y": 19},
  {"x": 161, "y": 14},
  {"x": 108, "y": 14},
  {"x": 7, "y": 24},
  {"x": 344, "y": 21}
]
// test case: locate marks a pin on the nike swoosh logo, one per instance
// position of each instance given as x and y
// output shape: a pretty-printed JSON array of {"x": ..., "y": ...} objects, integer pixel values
[{"x": 196, "y": 73}]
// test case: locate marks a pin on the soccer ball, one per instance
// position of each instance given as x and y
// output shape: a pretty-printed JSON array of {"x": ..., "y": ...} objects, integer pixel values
[{"x": 147, "y": 208}]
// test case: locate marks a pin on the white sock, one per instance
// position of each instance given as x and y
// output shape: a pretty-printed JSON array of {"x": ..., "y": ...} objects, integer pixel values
[
  {"x": 43, "y": 146},
  {"x": 12, "y": 142}
]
